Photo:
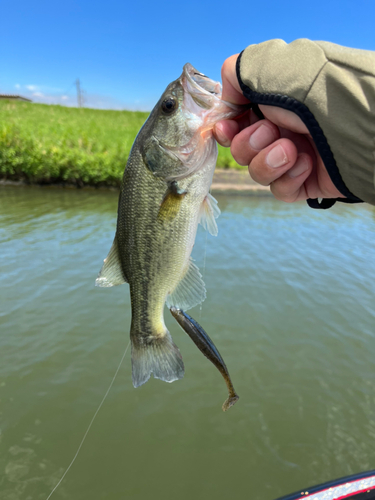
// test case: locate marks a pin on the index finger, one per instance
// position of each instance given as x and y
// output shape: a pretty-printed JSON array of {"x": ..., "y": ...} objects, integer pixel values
[{"x": 231, "y": 88}]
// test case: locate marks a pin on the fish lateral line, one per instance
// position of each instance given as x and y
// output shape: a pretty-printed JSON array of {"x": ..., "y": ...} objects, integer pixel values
[{"x": 208, "y": 348}]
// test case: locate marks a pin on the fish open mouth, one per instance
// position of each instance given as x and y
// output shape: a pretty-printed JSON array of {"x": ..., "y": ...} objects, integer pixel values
[
  {"x": 201, "y": 108},
  {"x": 203, "y": 90},
  {"x": 201, "y": 81}
]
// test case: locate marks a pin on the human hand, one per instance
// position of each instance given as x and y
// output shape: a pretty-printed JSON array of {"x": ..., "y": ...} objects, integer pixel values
[{"x": 278, "y": 150}]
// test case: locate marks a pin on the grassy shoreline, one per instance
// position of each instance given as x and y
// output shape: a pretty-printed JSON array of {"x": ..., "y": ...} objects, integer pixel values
[{"x": 43, "y": 144}]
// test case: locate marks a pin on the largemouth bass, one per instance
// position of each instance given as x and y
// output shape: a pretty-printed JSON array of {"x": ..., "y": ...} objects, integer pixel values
[{"x": 164, "y": 195}]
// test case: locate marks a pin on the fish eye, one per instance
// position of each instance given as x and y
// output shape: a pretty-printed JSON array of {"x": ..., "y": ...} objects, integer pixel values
[{"x": 169, "y": 105}]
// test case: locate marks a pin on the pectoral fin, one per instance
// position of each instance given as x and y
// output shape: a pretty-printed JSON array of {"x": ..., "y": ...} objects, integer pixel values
[{"x": 208, "y": 213}]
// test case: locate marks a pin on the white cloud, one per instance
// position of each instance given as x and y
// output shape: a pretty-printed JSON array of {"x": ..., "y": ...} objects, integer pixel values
[{"x": 49, "y": 95}]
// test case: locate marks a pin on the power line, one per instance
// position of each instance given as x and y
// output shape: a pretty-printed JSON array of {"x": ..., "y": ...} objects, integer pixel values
[{"x": 67, "y": 91}]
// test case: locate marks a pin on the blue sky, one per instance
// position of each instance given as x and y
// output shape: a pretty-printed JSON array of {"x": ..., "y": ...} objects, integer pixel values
[{"x": 125, "y": 53}]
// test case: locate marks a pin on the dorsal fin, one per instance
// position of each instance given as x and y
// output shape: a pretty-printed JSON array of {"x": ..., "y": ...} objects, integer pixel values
[
  {"x": 111, "y": 273},
  {"x": 209, "y": 211},
  {"x": 190, "y": 291}
]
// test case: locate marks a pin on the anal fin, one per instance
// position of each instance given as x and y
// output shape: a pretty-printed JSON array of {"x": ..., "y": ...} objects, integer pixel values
[{"x": 190, "y": 291}]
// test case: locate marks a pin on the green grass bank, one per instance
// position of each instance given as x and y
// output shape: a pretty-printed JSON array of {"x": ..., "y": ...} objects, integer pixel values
[{"x": 53, "y": 144}]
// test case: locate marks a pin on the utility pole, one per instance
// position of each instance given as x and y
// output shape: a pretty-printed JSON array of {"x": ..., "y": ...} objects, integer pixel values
[{"x": 79, "y": 93}]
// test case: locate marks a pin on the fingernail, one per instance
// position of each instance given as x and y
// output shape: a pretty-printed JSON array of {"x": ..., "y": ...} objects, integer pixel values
[
  {"x": 301, "y": 165},
  {"x": 277, "y": 157},
  {"x": 261, "y": 138}
]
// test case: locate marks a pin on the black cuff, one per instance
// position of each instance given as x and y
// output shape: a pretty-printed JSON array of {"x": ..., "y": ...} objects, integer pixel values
[{"x": 321, "y": 143}]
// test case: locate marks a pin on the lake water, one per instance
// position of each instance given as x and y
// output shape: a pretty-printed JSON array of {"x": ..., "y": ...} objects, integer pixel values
[{"x": 290, "y": 306}]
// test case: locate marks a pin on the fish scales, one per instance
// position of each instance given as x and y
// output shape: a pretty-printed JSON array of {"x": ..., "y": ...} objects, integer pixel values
[{"x": 154, "y": 251}]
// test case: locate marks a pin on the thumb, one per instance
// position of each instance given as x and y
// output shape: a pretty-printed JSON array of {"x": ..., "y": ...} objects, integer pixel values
[{"x": 231, "y": 88}]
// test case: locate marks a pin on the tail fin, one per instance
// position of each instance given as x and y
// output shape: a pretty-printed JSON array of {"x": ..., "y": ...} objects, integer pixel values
[{"x": 157, "y": 355}]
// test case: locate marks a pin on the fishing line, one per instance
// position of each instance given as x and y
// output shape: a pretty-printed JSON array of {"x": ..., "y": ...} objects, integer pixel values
[{"x": 90, "y": 424}]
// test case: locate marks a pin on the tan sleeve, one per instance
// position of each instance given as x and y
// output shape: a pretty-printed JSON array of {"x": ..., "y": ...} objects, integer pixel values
[{"x": 332, "y": 89}]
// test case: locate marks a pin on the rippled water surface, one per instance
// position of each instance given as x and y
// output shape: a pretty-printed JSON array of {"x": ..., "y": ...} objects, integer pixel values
[{"x": 290, "y": 306}]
